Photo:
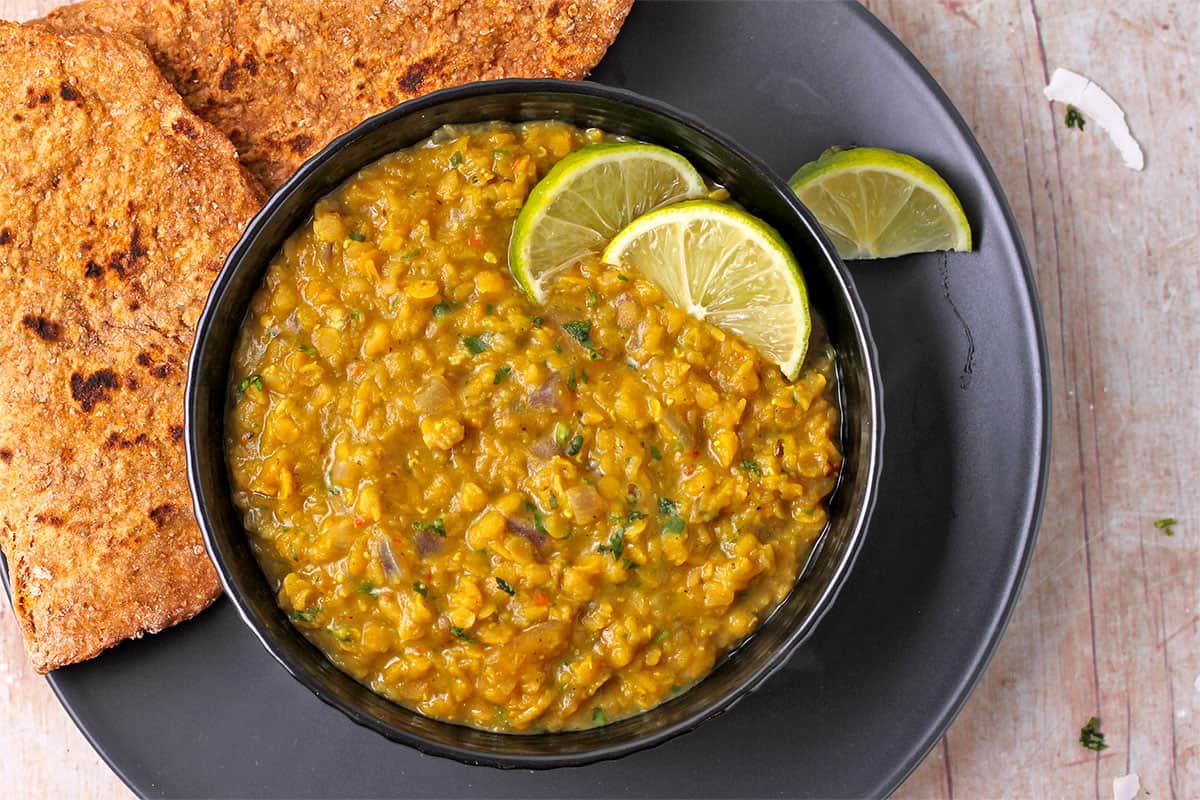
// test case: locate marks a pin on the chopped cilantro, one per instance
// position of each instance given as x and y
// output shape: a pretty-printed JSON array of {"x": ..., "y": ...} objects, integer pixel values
[
  {"x": 476, "y": 344},
  {"x": 1091, "y": 738},
  {"x": 539, "y": 521},
  {"x": 593, "y": 299},
  {"x": 598, "y": 717},
  {"x": 575, "y": 445},
  {"x": 752, "y": 466},
  {"x": 437, "y": 527},
  {"x": 356, "y": 236},
  {"x": 1075, "y": 119},
  {"x": 674, "y": 524},
  {"x": 489, "y": 309},
  {"x": 662, "y": 636},
  {"x": 1166, "y": 525},
  {"x": 412, "y": 254},
  {"x": 307, "y": 615},
  {"x": 501, "y": 374},
  {"x": 616, "y": 544},
  {"x": 505, "y": 586},
  {"x": 538, "y": 322},
  {"x": 655, "y": 453},
  {"x": 420, "y": 588},
  {"x": 308, "y": 351},
  {"x": 460, "y": 633},
  {"x": 456, "y": 159},
  {"x": 355, "y": 314},
  {"x": 501, "y": 153},
  {"x": 667, "y": 507},
  {"x": 580, "y": 330},
  {"x": 254, "y": 380},
  {"x": 621, "y": 276},
  {"x": 366, "y": 587},
  {"x": 572, "y": 381},
  {"x": 442, "y": 309}
]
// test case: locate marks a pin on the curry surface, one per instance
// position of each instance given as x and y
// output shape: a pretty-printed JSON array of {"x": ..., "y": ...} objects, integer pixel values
[{"x": 513, "y": 517}]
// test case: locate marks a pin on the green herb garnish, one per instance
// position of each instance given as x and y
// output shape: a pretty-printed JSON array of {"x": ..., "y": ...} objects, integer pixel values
[
  {"x": 501, "y": 374},
  {"x": 367, "y": 588},
  {"x": 598, "y": 717},
  {"x": 355, "y": 314},
  {"x": 412, "y": 254},
  {"x": 460, "y": 633},
  {"x": 538, "y": 322},
  {"x": 456, "y": 159},
  {"x": 420, "y": 588},
  {"x": 476, "y": 344},
  {"x": 580, "y": 330},
  {"x": 593, "y": 299},
  {"x": 307, "y": 615},
  {"x": 1166, "y": 525},
  {"x": 616, "y": 544},
  {"x": 572, "y": 381},
  {"x": 356, "y": 236},
  {"x": 752, "y": 466},
  {"x": 505, "y": 586},
  {"x": 256, "y": 381},
  {"x": 662, "y": 636},
  {"x": 575, "y": 445},
  {"x": 674, "y": 524},
  {"x": 1091, "y": 738},
  {"x": 308, "y": 351},
  {"x": 442, "y": 309},
  {"x": 667, "y": 507},
  {"x": 1075, "y": 119},
  {"x": 655, "y": 453},
  {"x": 621, "y": 276},
  {"x": 501, "y": 153},
  {"x": 437, "y": 527}
]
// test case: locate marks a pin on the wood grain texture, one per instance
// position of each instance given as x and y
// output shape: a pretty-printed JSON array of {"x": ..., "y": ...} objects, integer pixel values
[{"x": 1109, "y": 621}]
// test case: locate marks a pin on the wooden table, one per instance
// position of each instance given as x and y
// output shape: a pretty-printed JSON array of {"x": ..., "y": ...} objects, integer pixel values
[{"x": 1109, "y": 621}]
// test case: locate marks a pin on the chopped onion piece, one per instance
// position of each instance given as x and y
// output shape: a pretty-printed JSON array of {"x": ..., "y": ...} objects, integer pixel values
[
  {"x": 1126, "y": 787},
  {"x": 1094, "y": 103}
]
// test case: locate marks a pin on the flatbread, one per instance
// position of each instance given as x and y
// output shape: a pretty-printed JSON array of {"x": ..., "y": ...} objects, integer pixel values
[
  {"x": 117, "y": 206},
  {"x": 281, "y": 78}
]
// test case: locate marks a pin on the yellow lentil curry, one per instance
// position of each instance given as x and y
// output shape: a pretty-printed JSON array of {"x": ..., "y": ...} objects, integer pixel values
[{"x": 513, "y": 517}]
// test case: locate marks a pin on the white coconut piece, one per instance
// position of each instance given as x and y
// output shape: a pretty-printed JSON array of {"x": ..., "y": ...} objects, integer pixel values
[
  {"x": 1096, "y": 104},
  {"x": 1126, "y": 787}
]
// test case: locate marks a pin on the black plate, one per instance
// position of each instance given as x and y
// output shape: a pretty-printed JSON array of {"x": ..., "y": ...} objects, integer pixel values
[{"x": 203, "y": 709}]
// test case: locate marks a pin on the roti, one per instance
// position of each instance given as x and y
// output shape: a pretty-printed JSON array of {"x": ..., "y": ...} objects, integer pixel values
[
  {"x": 117, "y": 206},
  {"x": 282, "y": 78}
]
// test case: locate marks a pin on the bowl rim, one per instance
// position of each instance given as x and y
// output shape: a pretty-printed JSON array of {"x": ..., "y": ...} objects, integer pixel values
[{"x": 872, "y": 411}]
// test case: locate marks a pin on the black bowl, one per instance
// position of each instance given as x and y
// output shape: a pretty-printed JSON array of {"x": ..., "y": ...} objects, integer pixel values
[{"x": 620, "y": 112}]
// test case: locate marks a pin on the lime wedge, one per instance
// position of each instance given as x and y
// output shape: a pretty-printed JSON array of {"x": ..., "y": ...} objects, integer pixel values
[
  {"x": 586, "y": 198},
  {"x": 727, "y": 267},
  {"x": 877, "y": 203}
]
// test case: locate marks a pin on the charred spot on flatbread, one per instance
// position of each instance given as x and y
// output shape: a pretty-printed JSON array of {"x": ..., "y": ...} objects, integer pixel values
[
  {"x": 43, "y": 328},
  {"x": 95, "y": 388}
]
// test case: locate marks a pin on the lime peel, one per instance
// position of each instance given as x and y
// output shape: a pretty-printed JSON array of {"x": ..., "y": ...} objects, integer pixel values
[
  {"x": 725, "y": 266},
  {"x": 877, "y": 203},
  {"x": 585, "y": 199}
]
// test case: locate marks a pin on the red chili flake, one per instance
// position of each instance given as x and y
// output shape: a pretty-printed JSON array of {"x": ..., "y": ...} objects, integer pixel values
[
  {"x": 712, "y": 373},
  {"x": 359, "y": 521},
  {"x": 688, "y": 470},
  {"x": 474, "y": 240},
  {"x": 540, "y": 599},
  {"x": 695, "y": 454}
]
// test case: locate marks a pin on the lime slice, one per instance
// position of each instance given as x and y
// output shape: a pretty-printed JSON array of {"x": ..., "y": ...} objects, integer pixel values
[
  {"x": 585, "y": 199},
  {"x": 878, "y": 203},
  {"x": 727, "y": 267}
]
